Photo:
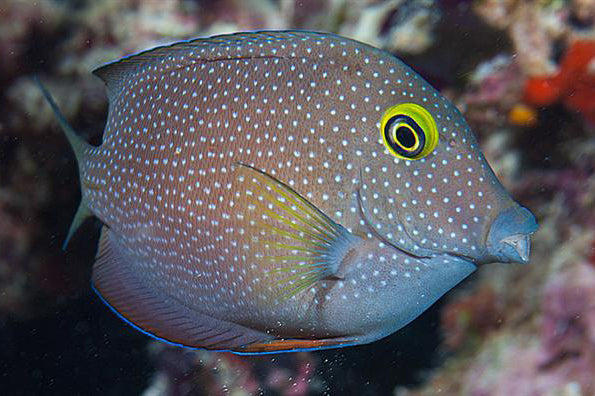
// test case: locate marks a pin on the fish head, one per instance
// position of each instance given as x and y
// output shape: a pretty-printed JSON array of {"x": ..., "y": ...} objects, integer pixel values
[{"x": 427, "y": 189}]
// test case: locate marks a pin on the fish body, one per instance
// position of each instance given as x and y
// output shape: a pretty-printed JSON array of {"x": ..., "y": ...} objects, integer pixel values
[{"x": 279, "y": 191}]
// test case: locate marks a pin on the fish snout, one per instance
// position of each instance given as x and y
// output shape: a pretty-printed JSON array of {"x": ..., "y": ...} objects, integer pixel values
[{"x": 509, "y": 238}]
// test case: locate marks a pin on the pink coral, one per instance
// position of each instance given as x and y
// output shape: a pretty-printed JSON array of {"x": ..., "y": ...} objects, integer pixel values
[
  {"x": 183, "y": 372},
  {"x": 563, "y": 354},
  {"x": 568, "y": 325}
]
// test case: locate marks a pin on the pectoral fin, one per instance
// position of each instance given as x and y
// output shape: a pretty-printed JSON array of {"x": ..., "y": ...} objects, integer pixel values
[{"x": 303, "y": 243}]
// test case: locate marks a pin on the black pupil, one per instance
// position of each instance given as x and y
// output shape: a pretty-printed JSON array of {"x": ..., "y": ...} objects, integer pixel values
[{"x": 405, "y": 137}]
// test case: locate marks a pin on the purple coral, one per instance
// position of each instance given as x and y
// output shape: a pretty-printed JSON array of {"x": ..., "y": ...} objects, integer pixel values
[
  {"x": 561, "y": 359},
  {"x": 182, "y": 372},
  {"x": 568, "y": 326}
]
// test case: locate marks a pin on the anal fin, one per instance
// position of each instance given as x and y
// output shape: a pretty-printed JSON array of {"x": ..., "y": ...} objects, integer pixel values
[{"x": 156, "y": 313}]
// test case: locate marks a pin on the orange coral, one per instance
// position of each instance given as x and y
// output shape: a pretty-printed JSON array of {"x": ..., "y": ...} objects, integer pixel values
[
  {"x": 522, "y": 115},
  {"x": 573, "y": 84}
]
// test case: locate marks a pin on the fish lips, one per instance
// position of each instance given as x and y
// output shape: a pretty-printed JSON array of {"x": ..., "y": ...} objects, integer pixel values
[{"x": 509, "y": 238}]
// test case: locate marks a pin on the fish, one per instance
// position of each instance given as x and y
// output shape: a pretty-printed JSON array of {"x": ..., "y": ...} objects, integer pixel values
[{"x": 279, "y": 191}]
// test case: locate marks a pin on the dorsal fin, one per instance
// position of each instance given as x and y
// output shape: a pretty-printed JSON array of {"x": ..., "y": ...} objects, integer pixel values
[{"x": 201, "y": 50}]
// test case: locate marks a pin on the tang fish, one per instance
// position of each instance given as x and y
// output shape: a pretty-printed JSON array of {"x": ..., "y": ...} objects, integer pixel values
[{"x": 284, "y": 190}]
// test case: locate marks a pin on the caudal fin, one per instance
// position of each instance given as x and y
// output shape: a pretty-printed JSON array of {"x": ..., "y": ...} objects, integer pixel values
[{"x": 79, "y": 146}]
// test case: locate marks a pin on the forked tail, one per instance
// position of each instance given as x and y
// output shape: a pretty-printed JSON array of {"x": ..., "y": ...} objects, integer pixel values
[{"x": 80, "y": 148}]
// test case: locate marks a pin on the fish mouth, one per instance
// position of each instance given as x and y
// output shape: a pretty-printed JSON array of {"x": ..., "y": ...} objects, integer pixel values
[{"x": 509, "y": 236}]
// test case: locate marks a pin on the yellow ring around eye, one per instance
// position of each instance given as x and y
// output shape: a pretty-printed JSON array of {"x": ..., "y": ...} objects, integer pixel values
[
  {"x": 398, "y": 142},
  {"x": 425, "y": 124}
]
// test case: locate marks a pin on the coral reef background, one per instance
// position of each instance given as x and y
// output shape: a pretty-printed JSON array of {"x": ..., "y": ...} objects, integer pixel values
[{"x": 522, "y": 72}]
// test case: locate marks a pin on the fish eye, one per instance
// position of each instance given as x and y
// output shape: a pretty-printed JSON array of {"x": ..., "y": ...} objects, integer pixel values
[{"x": 409, "y": 131}]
